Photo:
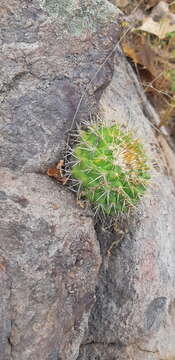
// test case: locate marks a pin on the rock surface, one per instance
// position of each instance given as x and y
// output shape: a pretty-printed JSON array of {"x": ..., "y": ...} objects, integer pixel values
[
  {"x": 46, "y": 63},
  {"x": 133, "y": 317},
  {"x": 49, "y": 253},
  {"x": 48, "y": 269}
]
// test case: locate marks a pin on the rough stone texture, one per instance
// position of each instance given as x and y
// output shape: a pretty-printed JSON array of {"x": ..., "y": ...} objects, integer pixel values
[
  {"x": 46, "y": 63},
  {"x": 133, "y": 317},
  {"x": 48, "y": 274},
  {"x": 49, "y": 255}
]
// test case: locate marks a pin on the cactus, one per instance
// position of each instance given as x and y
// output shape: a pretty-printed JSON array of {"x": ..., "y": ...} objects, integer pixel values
[{"x": 111, "y": 168}]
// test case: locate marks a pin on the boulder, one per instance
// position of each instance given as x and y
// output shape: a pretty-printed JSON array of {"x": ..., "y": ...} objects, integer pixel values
[
  {"x": 48, "y": 248},
  {"x": 133, "y": 317},
  {"x": 49, "y": 262},
  {"x": 71, "y": 290}
]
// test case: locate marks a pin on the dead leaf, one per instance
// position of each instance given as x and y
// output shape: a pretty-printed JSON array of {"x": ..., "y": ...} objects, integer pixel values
[
  {"x": 160, "y": 22},
  {"x": 169, "y": 156},
  {"x": 60, "y": 166},
  {"x": 130, "y": 52},
  {"x": 168, "y": 113},
  {"x": 160, "y": 29},
  {"x": 57, "y": 172},
  {"x": 81, "y": 203},
  {"x": 141, "y": 53}
]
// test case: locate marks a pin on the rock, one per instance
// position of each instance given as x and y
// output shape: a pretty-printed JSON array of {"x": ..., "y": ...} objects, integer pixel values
[
  {"x": 47, "y": 59},
  {"x": 57, "y": 59},
  {"x": 5, "y": 313},
  {"x": 49, "y": 254},
  {"x": 120, "y": 3},
  {"x": 133, "y": 317},
  {"x": 48, "y": 272}
]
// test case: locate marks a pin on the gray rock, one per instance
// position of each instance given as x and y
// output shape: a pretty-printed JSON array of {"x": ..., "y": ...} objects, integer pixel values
[
  {"x": 51, "y": 56},
  {"x": 48, "y": 272},
  {"x": 46, "y": 64},
  {"x": 132, "y": 318},
  {"x": 49, "y": 52}
]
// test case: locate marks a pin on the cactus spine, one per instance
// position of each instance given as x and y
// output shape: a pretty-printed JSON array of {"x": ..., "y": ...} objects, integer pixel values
[{"x": 111, "y": 168}]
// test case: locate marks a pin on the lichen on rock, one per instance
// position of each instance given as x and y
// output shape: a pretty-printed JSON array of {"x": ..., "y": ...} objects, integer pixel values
[{"x": 79, "y": 18}]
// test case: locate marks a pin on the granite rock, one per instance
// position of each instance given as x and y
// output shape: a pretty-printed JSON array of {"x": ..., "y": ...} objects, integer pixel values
[
  {"x": 50, "y": 259},
  {"x": 133, "y": 317},
  {"x": 49, "y": 254},
  {"x": 57, "y": 301},
  {"x": 47, "y": 58}
]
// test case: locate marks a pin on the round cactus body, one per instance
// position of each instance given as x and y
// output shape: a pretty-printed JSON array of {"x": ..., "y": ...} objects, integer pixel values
[{"x": 111, "y": 168}]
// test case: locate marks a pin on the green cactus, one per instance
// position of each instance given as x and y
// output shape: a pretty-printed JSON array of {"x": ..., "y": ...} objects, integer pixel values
[{"x": 111, "y": 168}]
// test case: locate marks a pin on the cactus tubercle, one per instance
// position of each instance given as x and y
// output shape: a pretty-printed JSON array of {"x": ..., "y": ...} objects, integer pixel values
[{"x": 111, "y": 168}]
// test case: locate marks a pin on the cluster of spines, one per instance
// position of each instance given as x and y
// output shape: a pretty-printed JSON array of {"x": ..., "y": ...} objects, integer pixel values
[{"x": 110, "y": 168}]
